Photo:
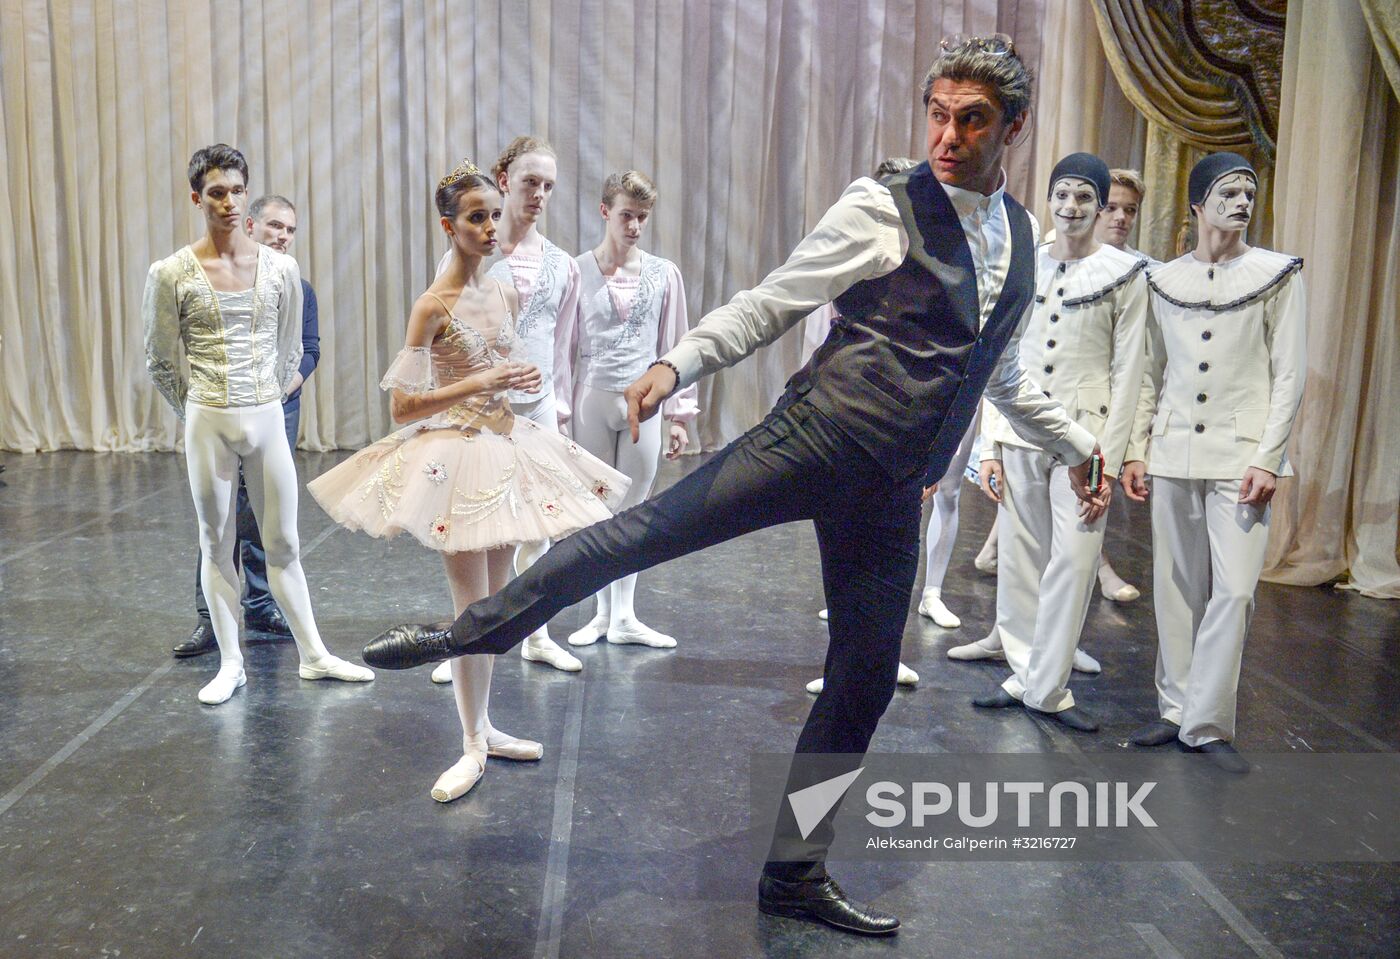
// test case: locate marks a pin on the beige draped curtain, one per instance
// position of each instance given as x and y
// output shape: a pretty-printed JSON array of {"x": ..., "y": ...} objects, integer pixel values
[
  {"x": 751, "y": 115},
  {"x": 1339, "y": 207}
]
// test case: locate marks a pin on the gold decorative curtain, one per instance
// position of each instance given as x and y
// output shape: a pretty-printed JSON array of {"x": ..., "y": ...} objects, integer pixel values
[{"x": 1383, "y": 17}]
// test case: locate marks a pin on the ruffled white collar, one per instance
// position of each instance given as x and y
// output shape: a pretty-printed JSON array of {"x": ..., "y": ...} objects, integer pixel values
[
  {"x": 1087, "y": 279},
  {"x": 1193, "y": 284}
]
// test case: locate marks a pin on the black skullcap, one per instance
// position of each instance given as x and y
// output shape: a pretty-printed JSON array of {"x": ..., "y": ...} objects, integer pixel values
[
  {"x": 1212, "y": 168},
  {"x": 1085, "y": 166}
]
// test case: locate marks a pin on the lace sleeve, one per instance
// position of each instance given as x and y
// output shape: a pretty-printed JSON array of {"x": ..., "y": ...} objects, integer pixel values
[{"x": 411, "y": 371}]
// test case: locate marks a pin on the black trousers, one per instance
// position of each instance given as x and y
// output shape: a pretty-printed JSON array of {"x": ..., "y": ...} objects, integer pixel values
[{"x": 794, "y": 465}]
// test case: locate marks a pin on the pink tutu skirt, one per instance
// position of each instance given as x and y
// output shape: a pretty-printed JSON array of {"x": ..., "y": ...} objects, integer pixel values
[{"x": 456, "y": 490}]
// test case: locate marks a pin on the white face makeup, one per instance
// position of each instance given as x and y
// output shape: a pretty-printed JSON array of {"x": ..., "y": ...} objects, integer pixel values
[
  {"x": 1074, "y": 205},
  {"x": 1230, "y": 203}
]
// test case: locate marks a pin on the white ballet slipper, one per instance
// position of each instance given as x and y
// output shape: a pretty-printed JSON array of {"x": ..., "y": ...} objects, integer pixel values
[
  {"x": 589, "y": 634},
  {"x": 442, "y": 673},
  {"x": 539, "y": 648},
  {"x": 823, "y": 616},
  {"x": 1084, "y": 663},
  {"x": 986, "y": 560},
  {"x": 458, "y": 780},
  {"x": 982, "y": 649},
  {"x": 815, "y": 687},
  {"x": 639, "y": 634},
  {"x": 1123, "y": 593},
  {"x": 931, "y": 607},
  {"x": 333, "y": 667},
  {"x": 500, "y": 745},
  {"x": 221, "y": 687}
]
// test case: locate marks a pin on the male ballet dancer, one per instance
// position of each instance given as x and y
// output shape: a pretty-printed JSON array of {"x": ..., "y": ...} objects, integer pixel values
[
  {"x": 1084, "y": 346},
  {"x": 1225, "y": 366},
  {"x": 932, "y": 272}
]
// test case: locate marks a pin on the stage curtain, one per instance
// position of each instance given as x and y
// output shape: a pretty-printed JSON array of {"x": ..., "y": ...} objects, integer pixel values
[
  {"x": 1383, "y": 17},
  {"x": 1079, "y": 104},
  {"x": 752, "y": 115},
  {"x": 1339, "y": 514}
]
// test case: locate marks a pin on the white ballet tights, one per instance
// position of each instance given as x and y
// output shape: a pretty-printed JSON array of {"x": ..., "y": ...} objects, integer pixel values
[
  {"x": 216, "y": 442},
  {"x": 474, "y": 576},
  {"x": 600, "y": 426}
]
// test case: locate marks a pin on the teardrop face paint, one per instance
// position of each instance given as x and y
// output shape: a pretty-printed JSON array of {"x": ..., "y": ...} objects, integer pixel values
[
  {"x": 1074, "y": 205},
  {"x": 1230, "y": 203}
]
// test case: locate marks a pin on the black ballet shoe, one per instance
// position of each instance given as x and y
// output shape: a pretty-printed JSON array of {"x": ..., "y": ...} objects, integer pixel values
[
  {"x": 821, "y": 900},
  {"x": 409, "y": 645},
  {"x": 1072, "y": 718},
  {"x": 1223, "y": 755},
  {"x": 1159, "y": 732},
  {"x": 1000, "y": 699}
]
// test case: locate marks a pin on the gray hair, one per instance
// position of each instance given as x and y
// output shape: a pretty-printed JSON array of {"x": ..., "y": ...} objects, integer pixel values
[
  {"x": 1003, "y": 72},
  {"x": 266, "y": 200}
]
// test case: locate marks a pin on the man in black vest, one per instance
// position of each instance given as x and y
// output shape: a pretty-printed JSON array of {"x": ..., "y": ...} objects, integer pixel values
[{"x": 932, "y": 271}]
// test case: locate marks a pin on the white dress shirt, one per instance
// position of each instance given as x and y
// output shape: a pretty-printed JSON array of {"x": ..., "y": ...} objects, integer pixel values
[{"x": 862, "y": 237}]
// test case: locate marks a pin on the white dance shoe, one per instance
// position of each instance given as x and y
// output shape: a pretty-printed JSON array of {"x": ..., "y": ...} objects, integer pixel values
[
  {"x": 539, "y": 648},
  {"x": 442, "y": 673},
  {"x": 1084, "y": 663},
  {"x": 594, "y": 630},
  {"x": 639, "y": 634},
  {"x": 824, "y": 616},
  {"x": 988, "y": 647},
  {"x": 1114, "y": 587},
  {"x": 906, "y": 677},
  {"x": 986, "y": 560},
  {"x": 458, "y": 780},
  {"x": 500, "y": 745},
  {"x": 221, "y": 687},
  {"x": 931, "y": 607},
  {"x": 333, "y": 667}
]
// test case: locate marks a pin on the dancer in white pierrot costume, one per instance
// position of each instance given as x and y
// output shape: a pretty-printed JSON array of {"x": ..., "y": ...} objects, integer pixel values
[
  {"x": 1084, "y": 346},
  {"x": 1226, "y": 363}
]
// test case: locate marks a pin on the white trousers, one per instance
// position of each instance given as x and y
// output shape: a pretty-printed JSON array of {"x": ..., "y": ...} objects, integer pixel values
[
  {"x": 942, "y": 530},
  {"x": 1047, "y": 566},
  {"x": 217, "y": 442},
  {"x": 1207, "y": 556},
  {"x": 600, "y": 426}
]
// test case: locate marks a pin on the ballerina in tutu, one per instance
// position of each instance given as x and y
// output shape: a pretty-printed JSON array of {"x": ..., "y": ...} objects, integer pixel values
[{"x": 468, "y": 478}]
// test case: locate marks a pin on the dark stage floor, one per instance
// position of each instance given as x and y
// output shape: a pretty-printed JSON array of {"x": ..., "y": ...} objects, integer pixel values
[{"x": 295, "y": 820}]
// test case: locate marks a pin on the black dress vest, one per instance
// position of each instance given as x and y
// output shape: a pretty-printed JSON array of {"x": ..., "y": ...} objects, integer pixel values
[{"x": 903, "y": 369}]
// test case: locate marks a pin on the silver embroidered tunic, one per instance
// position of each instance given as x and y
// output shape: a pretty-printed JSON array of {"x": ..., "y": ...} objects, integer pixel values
[{"x": 242, "y": 349}]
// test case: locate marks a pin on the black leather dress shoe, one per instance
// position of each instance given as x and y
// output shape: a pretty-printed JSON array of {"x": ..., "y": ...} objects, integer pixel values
[
  {"x": 1000, "y": 699},
  {"x": 821, "y": 900},
  {"x": 1159, "y": 732},
  {"x": 1072, "y": 718},
  {"x": 1223, "y": 755},
  {"x": 271, "y": 622},
  {"x": 409, "y": 645},
  {"x": 201, "y": 641}
]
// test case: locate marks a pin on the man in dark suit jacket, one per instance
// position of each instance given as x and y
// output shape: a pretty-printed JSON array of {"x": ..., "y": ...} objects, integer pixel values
[
  {"x": 932, "y": 271},
  {"x": 272, "y": 221}
]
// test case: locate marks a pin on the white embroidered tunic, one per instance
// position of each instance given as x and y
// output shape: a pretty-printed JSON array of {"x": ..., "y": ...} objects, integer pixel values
[
  {"x": 1226, "y": 360},
  {"x": 241, "y": 349},
  {"x": 625, "y": 323}
]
